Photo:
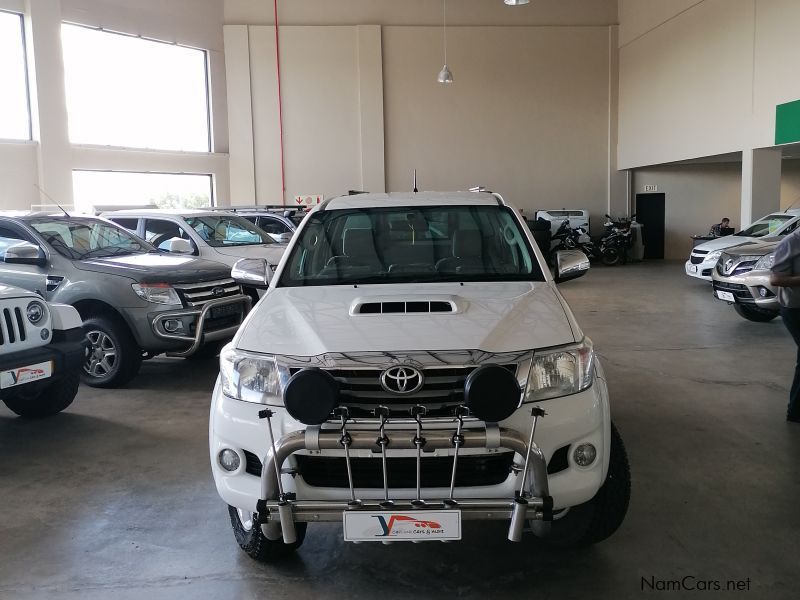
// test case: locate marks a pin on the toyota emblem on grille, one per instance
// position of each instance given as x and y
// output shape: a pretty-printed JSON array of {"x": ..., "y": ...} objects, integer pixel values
[
  {"x": 401, "y": 380},
  {"x": 218, "y": 291}
]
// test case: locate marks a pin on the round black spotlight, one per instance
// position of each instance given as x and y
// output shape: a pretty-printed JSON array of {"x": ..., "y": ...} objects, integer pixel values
[
  {"x": 492, "y": 393},
  {"x": 311, "y": 395}
]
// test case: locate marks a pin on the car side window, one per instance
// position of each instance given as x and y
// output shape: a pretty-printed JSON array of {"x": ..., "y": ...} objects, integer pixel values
[
  {"x": 158, "y": 232},
  {"x": 11, "y": 237},
  {"x": 273, "y": 226},
  {"x": 129, "y": 224},
  {"x": 790, "y": 228}
]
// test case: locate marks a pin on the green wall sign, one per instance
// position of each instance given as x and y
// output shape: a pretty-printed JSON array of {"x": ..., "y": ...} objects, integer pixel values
[{"x": 787, "y": 122}]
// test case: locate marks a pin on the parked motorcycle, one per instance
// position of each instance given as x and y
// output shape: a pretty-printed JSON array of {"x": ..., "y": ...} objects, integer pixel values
[
  {"x": 618, "y": 239},
  {"x": 568, "y": 238}
]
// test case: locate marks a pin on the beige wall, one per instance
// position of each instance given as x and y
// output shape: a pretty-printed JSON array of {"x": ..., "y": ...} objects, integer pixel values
[
  {"x": 18, "y": 174},
  {"x": 421, "y": 12},
  {"x": 700, "y": 78},
  {"x": 528, "y": 114},
  {"x": 699, "y": 195}
]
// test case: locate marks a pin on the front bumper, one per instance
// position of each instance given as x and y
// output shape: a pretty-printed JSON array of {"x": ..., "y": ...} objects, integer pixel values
[
  {"x": 66, "y": 351},
  {"x": 702, "y": 270},
  {"x": 751, "y": 288},
  {"x": 197, "y": 330},
  {"x": 571, "y": 420}
]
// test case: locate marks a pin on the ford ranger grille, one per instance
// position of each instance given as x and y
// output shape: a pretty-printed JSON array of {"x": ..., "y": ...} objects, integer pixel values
[
  {"x": 12, "y": 326},
  {"x": 195, "y": 295}
]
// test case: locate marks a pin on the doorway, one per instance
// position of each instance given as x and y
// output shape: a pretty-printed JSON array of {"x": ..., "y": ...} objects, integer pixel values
[{"x": 650, "y": 211}]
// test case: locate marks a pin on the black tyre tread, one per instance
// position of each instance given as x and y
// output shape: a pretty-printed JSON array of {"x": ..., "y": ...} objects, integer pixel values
[
  {"x": 600, "y": 517},
  {"x": 128, "y": 349},
  {"x": 755, "y": 313},
  {"x": 611, "y": 258},
  {"x": 51, "y": 400},
  {"x": 258, "y": 547}
]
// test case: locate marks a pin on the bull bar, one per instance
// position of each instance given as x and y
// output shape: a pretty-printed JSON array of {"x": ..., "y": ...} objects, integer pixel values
[{"x": 275, "y": 508}]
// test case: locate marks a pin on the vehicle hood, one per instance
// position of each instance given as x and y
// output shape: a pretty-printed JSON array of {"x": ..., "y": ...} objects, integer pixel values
[
  {"x": 755, "y": 248},
  {"x": 727, "y": 241},
  {"x": 493, "y": 317},
  {"x": 157, "y": 268},
  {"x": 10, "y": 291},
  {"x": 272, "y": 252}
]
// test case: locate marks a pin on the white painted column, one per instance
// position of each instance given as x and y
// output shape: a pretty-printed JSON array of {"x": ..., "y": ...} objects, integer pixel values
[
  {"x": 370, "y": 100},
  {"x": 48, "y": 99},
  {"x": 617, "y": 189},
  {"x": 240, "y": 116},
  {"x": 761, "y": 183}
]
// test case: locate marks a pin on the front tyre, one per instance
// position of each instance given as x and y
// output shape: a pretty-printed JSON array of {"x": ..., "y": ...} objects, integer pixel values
[
  {"x": 48, "y": 401},
  {"x": 755, "y": 313},
  {"x": 255, "y": 544},
  {"x": 114, "y": 356},
  {"x": 611, "y": 256},
  {"x": 601, "y": 516}
]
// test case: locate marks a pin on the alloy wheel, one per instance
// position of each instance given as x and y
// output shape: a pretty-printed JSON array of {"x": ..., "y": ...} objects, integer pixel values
[{"x": 102, "y": 357}]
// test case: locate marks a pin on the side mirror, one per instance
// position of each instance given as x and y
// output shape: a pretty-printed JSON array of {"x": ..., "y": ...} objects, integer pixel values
[
  {"x": 252, "y": 272},
  {"x": 285, "y": 238},
  {"x": 25, "y": 254},
  {"x": 178, "y": 245},
  {"x": 571, "y": 264}
]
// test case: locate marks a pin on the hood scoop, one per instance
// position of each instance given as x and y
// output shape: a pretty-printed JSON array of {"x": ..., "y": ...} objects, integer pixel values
[{"x": 408, "y": 305}]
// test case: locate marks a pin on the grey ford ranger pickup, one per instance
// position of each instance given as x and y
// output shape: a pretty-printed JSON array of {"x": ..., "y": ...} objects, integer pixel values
[{"x": 135, "y": 301}]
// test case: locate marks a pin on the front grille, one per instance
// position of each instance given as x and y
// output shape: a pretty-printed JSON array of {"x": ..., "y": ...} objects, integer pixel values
[
  {"x": 740, "y": 292},
  {"x": 559, "y": 461},
  {"x": 195, "y": 295},
  {"x": 12, "y": 326},
  {"x": 696, "y": 260},
  {"x": 443, "y": 388},
  {"x": 473, "y": 470},
  {"x": 703, "y": 252},
  {"x": 706, "y": 273}
]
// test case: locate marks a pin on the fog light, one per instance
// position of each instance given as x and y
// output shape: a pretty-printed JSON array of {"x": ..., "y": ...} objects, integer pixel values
[
  {"x": 173, "y": 325},
  {"x": 45, "y": 333},
  {"x": 584, "y": 455},
  {"x": 229, "y": 460},
  {"x": 762, "y": 292}
]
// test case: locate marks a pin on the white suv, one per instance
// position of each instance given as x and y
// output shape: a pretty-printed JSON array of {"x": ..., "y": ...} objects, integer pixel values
[
  {"x": 42, "y": 348},
  {"x": 412, "y": 366},
  {"x": 705, "y": 256}
]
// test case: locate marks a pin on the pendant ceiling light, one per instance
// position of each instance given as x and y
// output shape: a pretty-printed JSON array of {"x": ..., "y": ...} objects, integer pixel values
[
  {"x": 517, "y": 2},
  {"x": 445, "y": 75}
]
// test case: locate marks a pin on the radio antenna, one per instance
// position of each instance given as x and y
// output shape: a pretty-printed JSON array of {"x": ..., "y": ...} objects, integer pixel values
[
  {"x": 793, "y": 204},
  {"x": 415, "y": 181},
  {"x": 46, "y": 195}
]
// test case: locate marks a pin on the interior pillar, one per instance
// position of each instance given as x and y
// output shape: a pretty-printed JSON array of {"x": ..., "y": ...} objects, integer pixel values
[{"x": 761, "y": 183}]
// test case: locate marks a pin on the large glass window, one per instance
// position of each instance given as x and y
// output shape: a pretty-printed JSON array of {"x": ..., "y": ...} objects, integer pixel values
[
  {"x": 15, "y": 123},
  {"x": 133, "y": 92},
  {"x": 95, "y": 190}
]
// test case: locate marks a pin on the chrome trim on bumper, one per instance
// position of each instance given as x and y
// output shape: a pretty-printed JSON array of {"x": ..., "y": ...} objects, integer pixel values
[{"x": 201, "y": 313}]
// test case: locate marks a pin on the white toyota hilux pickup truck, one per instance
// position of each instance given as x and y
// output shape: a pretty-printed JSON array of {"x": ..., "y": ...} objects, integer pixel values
[{"x": 411, "y": 366}]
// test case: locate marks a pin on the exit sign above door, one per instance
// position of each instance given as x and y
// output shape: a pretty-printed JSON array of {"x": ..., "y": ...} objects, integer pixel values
[{"x": 651, "y": 188}]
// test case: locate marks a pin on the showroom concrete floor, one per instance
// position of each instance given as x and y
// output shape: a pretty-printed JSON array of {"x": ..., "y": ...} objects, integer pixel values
[{"x": 114, "y": 498}]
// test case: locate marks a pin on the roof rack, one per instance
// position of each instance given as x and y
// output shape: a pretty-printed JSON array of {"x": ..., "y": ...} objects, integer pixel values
[{"x": 261, "y": 207}]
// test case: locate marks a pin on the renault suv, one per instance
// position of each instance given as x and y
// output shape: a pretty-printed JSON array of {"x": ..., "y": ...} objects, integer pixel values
[{"x": 741, "y": 278}]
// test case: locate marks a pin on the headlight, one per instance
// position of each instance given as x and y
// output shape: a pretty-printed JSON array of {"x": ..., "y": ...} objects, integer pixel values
[
  {"x": 252, "y": 377},
  {"x": 765, "y": 262},
  {"x": 35, "y": 312},
  {"x": 159, "y": 293},
  {"x": 713, "y": 255},
  {"x": 560, "y": 372}
]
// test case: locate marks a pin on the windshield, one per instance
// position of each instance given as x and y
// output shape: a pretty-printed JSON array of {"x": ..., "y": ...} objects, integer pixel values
[
  {"x": 766, "y": 226},
  {"x": 80, "y": 238},
  {"x": 411, "y": 244},
  {"x": 219, "y": 231}
]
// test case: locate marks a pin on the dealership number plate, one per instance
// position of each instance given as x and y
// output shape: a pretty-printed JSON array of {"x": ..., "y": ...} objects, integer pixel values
[
  {"x": 727, "y": 296},
  {"x": 225, "y": 311},
  {"x": 402, "y": 526},
  {"x": 23, "y": 375}
]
